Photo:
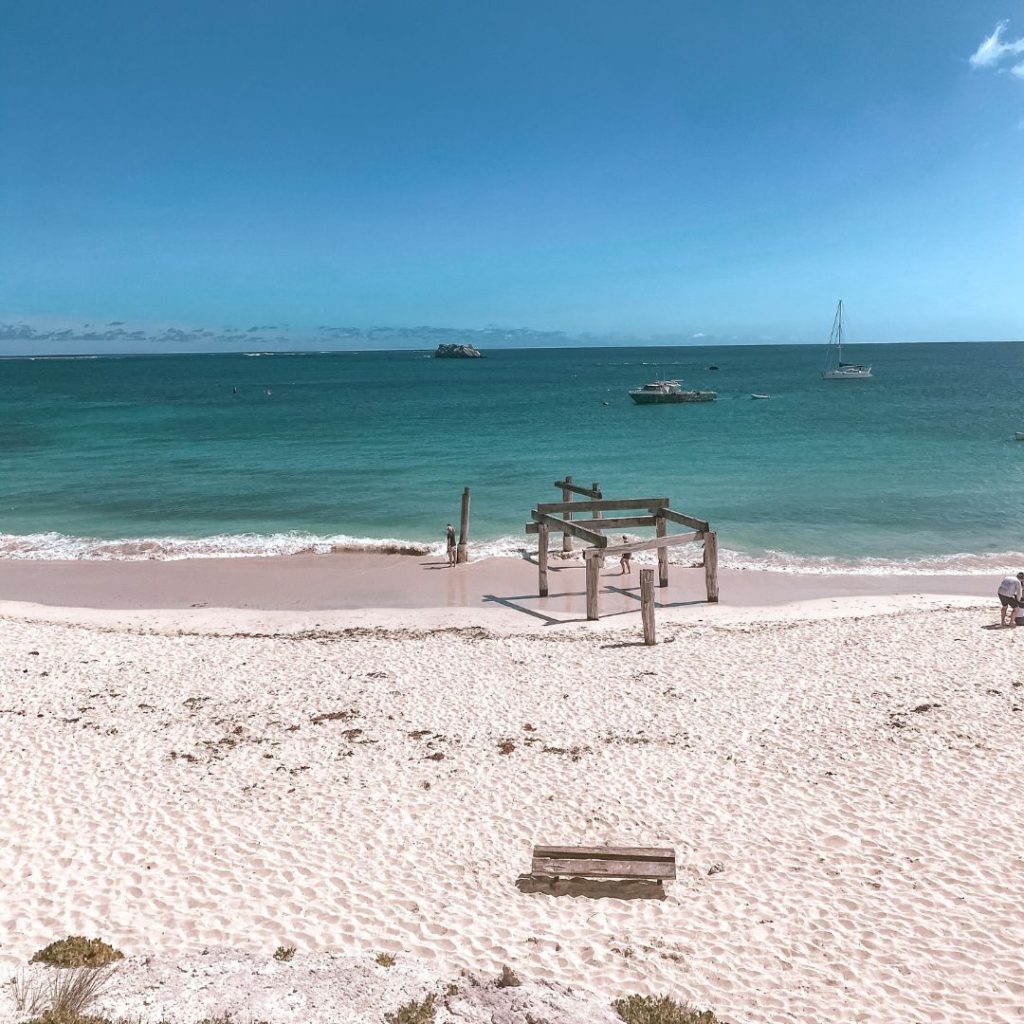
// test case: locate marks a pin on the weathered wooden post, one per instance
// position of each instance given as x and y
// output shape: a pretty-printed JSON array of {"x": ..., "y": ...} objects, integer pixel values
[
  {"x": 711, "y": 565},
  {"x": 595, "y": 493},
  {"x": 567, "y": 495},
  {"x": 647, "y": 604},
  {"x": 661, "y": 529},
  {"x": 461, "y": 553},
  {"x": 542, "y": 559},
  {"x": 593, "y": 582}
]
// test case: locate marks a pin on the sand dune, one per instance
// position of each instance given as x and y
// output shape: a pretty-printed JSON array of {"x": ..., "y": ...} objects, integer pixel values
[{"x": 856, "y": 780}]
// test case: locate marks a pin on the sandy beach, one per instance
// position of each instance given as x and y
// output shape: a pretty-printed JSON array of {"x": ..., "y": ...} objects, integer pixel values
[{"x": 836, "y": 775}]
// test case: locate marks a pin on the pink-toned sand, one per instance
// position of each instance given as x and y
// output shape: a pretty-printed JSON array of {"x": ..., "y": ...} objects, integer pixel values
[{"x": 359, "y": 581}]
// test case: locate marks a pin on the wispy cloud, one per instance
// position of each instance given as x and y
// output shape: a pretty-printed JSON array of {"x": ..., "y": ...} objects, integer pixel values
[{"x": 995, "y": 50}]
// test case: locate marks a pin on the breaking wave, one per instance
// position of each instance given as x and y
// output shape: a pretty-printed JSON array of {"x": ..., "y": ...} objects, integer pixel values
[{"x": 58, "y": 546}]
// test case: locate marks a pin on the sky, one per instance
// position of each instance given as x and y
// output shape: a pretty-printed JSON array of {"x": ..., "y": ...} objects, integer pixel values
[{"x": 675, "y": 171}]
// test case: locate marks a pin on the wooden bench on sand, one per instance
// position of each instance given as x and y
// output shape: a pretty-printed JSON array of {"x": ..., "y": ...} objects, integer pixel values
[{"x": 628, "y": 872}]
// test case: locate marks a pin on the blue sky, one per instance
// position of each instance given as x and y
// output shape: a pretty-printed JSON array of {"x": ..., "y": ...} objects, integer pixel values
[{"x": 684, "y": 171}]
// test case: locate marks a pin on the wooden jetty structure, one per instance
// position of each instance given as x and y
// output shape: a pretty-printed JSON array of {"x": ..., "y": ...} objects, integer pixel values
[{"x": 629, "y": 513}]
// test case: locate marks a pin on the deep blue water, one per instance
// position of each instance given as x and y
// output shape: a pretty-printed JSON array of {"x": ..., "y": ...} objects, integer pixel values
[{"x": 918, "y": 463}]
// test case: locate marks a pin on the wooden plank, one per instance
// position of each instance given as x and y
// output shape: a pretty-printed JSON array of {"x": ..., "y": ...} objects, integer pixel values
[
  {"x": 461, "y": 553},
  {"x": 542, "y": 559},
  {"x": 619, "y": 523},
  {"x": 587, "y": 492},
  {"x": 661, "y": 527},
  {"x": 577, "y": 531},
  {"x": 593, "y": 582},
  {"x": 711, "y": 565},
  {"x": 645, "y": 545},
  {"x": 647, "y": 604},
  {"x": 604, "y": 868},
  {"x": 682, "y": 520},
  {"x": 602, "y": 505},
  {"x": 567, "y": 499},
  {"x": 608, "y": 852}
]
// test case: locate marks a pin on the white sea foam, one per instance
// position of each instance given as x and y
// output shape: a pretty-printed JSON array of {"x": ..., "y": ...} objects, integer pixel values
[{"x": 58, "y": 546}]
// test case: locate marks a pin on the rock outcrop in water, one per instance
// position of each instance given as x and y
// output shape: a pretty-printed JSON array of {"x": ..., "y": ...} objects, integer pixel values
[{"x": 457, "y": 352}]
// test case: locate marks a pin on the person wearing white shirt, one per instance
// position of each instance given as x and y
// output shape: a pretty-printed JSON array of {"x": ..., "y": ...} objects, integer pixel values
[{"x": 1010, "y": 591}]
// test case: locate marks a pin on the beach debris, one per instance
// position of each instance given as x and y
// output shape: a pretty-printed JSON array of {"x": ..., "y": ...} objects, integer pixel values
[
  {"x": 922, "y": 708},
  {"x": 385, "y": 959},
  {"x": 335, "y": 716},
  {"x": 509, "y": 978},
  {"x": 506, "y": 747},
  {"x": 284, "y": 953},
  {"x": 716, "y": 869}
]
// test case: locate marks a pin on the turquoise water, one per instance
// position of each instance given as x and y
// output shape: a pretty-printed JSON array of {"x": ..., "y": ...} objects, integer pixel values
[{"x": 349, "y": 448}]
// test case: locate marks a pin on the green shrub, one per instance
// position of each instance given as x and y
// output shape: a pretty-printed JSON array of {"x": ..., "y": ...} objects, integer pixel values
[
  {"x": 284, "y": 953},
  {"x": 660, "y": 1010},
  {"x": 414, "y": 1012},
  {"x": 77, "y": 951},
  {"x": 386, "y": 959}
]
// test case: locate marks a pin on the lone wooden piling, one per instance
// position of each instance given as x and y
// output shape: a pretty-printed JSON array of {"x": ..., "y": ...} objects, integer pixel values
[
  {"x": 661, "y": 530},
  {"x": 461, "y": 552},
  {"x": 711, "y": 565},
  {"x": 567, "y": 495},
  {"x": 647, "y": 605},
  {"x": 593, "y": 582},
  {"x": 542, "y": 559}
]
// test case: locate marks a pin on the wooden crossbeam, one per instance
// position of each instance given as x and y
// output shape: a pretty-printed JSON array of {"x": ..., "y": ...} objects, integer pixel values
[
  {"x": 587, "y": 492},
  {"x": 574, "y": 529},
  {"x": 683, "y": 520},
  {"x": 622, "y": 523},
  {"x": 602, "y": 505},
  {"x": 645, "y": 545}
]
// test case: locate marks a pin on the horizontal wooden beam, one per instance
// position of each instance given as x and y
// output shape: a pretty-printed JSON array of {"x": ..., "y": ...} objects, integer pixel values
[
  {"x": 622, "y": 523},
  {"x": 587, "y": 492},
  {"x": 646, "y": 545},
  {"x": 602, "y": 505},
  {"x": 678, "y": 517},
  {"x": 571, "y": 528}
]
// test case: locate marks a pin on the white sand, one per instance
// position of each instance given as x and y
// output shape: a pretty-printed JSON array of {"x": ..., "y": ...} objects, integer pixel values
[{"x": 171, "y": 792}]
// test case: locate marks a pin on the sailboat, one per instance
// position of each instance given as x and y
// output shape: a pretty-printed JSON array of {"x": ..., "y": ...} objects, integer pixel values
[{"x": 835, "y": 368}]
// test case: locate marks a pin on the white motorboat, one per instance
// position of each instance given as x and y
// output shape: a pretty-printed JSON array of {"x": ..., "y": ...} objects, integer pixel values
[{"x": 668, "y": 392}]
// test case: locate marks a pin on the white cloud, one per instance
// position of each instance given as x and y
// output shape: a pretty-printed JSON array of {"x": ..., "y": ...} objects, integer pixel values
[
  {"x": 994, "y": 49},
  {"x": 699, "y": 334},
  {"x": 1018, "y": 69}
]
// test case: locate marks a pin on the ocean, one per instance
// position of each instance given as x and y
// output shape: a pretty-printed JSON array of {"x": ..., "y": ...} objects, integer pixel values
[{"x": 175, "y": 456}]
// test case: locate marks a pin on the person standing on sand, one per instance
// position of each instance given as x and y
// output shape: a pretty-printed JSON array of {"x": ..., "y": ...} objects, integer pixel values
[
  {"x": 1009, "y": 592},
  {"x": 450, "y": 537},
  {"x": 625, "y": 562}
]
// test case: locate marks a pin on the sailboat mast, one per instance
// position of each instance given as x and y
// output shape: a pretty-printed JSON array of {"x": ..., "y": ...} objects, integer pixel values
[{"x": 839, "y": 334}]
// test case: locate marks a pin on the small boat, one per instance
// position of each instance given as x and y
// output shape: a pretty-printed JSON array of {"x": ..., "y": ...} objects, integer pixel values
[
  {"x": 712, "y": 367},
  {"x": 763, "y": 397},
  {"x": 668, "y": 392},
  {"x": 835, "y": 368},
  {"x": 1018, "y": 435}
]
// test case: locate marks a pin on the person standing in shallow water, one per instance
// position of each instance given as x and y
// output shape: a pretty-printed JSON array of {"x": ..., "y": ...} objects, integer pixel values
[{"x": 450, "y": 537}]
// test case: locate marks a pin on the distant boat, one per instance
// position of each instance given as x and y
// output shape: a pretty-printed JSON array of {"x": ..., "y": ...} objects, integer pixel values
[
  {"x": 668, "y": 392},
  {"x": 835, "y": 368},
  {"x": 1019, "y": 435},
  {"x": 712, "y": 367},
  {"x": 761, "y": 396}
]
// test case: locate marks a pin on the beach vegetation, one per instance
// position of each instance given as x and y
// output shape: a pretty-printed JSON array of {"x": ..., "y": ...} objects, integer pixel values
[
  {"x": 386, "y": 959},
  {"x": 416, "y": 1011},
  {"x": 284, "y": 953},
  {"x": 69, "y": 995},
  {"x": 77, "y": 951},
  {"x": 661, "y": 1010}
]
